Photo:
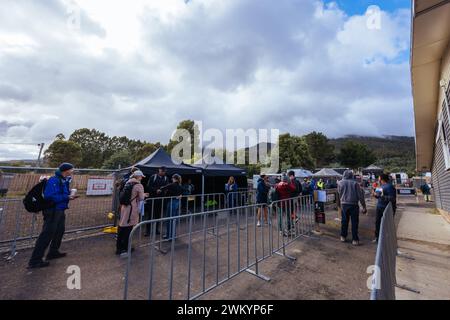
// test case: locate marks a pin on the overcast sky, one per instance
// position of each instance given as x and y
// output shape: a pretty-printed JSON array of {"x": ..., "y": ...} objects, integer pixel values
[{"x": 137, "y": 68}]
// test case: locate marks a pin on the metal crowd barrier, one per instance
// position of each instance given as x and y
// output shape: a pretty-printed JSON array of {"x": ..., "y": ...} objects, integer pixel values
[
  {"x": 384, "y": 279},
  {"x": 190, "y": 260},
  {"x": 19, "y": 228}
]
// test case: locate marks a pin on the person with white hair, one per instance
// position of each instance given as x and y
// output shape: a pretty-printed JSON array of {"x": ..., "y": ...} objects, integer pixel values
[{"x": 130, "y": 199}]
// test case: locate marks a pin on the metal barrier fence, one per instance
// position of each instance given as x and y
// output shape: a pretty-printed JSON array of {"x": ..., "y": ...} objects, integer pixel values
[
  {"x": 19, "y": 228},
  {"x": 384, "y": 279},
  {"x": 201, "y": 251}
]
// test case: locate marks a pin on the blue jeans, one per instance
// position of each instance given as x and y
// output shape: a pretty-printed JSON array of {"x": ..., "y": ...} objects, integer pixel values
[
  {"x": 172, "y": 211},
  {"x": 350, "y": 212}
]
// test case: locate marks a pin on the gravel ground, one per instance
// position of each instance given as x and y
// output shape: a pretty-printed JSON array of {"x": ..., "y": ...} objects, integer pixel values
[{"x": 324, "y": 269}]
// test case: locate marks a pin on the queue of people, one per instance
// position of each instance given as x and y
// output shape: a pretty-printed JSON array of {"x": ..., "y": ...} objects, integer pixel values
[
  {"x": 351, "y": 195},
  {"x": 288, "y": 187},
  {"x": 134, "y": 203}
]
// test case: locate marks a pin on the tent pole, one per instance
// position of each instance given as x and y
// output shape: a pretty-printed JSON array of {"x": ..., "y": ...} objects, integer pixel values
[{"x": 203, "y": 192}]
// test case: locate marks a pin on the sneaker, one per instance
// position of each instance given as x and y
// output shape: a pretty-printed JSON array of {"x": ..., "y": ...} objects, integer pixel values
[
  {"x": 120, "y": 252},
  {"x": 258, "y": 224},
  {"x": 375, "y": 240},
  {"x": 343, "y": 239},
  {"x": 38, "y": 265},
  {"x": 56, "y": 255},
  {"x": 355, "y": 243}
]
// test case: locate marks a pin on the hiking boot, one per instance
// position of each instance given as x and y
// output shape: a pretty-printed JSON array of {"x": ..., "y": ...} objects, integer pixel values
[
  {"x": 56, "y": 255},
  {"x": 38, "y": 265}
]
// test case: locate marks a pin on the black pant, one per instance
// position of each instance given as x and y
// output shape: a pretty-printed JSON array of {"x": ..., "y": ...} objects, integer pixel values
[
  {"x": 379, "y": 213},
  {"x": 123, "y": 235},
  {"x": 155, "y": 206},
  {"x": 350, "y": 212},
  {"x": 51, "y": 234}
]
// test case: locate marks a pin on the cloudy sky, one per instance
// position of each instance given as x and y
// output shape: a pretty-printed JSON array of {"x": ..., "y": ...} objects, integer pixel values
[{"x": 137, "y": 68}]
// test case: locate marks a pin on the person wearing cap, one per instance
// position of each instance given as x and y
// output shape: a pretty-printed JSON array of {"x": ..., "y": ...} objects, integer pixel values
[
  {"x": 129, "y": 214},
  {"x": 57, "y": 190},
  {"x": 174, "y": 191},
  {"x": 154, "y": 206}
]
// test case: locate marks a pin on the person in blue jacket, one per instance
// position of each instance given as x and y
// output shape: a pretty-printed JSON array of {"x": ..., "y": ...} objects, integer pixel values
[
  {"x": 262, "y": 198},
  {"x": 385, "y": 195},
  {"x": 57, "y": 190}
]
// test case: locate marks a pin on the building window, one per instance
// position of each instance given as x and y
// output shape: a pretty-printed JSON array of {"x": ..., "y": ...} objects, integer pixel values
[
  {"x": 443, "y": 128},
  {"x": 443, "y": 135}
]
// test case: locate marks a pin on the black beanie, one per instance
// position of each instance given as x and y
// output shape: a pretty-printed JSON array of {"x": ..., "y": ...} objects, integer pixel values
[{"x": 65, "y": 166}]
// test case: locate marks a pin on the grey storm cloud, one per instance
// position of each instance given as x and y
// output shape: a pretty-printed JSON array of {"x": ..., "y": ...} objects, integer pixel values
[{"x": 296, "y": 66}]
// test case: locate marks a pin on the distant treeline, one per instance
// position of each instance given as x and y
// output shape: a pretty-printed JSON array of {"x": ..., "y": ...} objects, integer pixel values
[{"x": 90, "y": 148}]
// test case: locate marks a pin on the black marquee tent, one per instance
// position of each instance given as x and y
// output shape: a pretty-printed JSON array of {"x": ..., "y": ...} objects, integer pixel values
[
  {"x": 208, "y": 175},
  {"x": 161, "y": 158},
  {"x": 216, "y": 174}
]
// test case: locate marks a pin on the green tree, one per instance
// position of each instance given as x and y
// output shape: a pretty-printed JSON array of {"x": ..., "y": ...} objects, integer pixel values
[
  {"x": 294, "y": 152},
  {"x": 320, "y": 148},
  {"x": 355, "y": 155},
  {"x": 63, "y": 151},
  {"x": 192, "y": 127},
  {"x": 122, "y": 159},
  {"x": 93, "y": 143},
  {"x": 60, "y": 136},
  {"x": 144, "y": 151}
]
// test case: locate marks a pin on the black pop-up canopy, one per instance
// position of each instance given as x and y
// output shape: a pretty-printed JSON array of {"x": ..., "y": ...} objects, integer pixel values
[
  {"x": 160, "y": 158},
  {"x": 216, "y": 174},
  {"x": 214, "y": 167}
]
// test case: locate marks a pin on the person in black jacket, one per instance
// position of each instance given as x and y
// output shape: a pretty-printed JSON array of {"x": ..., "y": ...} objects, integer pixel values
[
  {"x": 154, "y": 206},
  {"x": 175, "y": 191}
]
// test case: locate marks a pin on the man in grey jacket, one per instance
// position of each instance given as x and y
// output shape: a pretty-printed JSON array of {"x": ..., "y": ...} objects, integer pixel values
[{"x": 350, "y": 194}]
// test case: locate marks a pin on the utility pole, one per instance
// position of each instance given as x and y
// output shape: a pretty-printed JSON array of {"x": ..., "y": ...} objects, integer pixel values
[{"x": 41, "y": 145}]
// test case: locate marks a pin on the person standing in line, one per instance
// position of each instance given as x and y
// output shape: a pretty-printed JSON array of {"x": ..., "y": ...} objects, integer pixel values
[
  {"x": 230, "y": 188},
  {"x": 350, "y": 196},
  {"x": 173, "y": 190},
  {"x": 129, "y": 213},
  {"x": 295, "y": 194},
  {"x": 426, "y": 191},
  {"x": 57, "y": 190},
  {"x": 154, "y": 206},
  {"x": 262, "y": 198},
  {"x": 284, "y": 191},
  {"x": 385, "y": 194}
]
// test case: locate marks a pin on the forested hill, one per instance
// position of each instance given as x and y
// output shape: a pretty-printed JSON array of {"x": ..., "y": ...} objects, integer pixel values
[{"x": 395, "y": 153}]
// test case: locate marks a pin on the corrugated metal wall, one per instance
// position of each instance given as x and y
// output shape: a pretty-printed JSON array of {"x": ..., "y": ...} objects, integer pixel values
[{"x": 440, "y": 176}]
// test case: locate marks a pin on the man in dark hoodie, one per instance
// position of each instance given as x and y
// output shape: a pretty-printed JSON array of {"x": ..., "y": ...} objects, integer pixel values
[{"x": 350, "y": 194}]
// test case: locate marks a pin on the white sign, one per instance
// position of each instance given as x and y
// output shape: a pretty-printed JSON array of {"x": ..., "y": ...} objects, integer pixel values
[
  {"x": 321, "y": 196},
  {"x": 100, "y": 186}
]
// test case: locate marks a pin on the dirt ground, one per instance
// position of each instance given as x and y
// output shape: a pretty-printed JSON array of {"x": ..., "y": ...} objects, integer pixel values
[{"x": 324, "y": 269}]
